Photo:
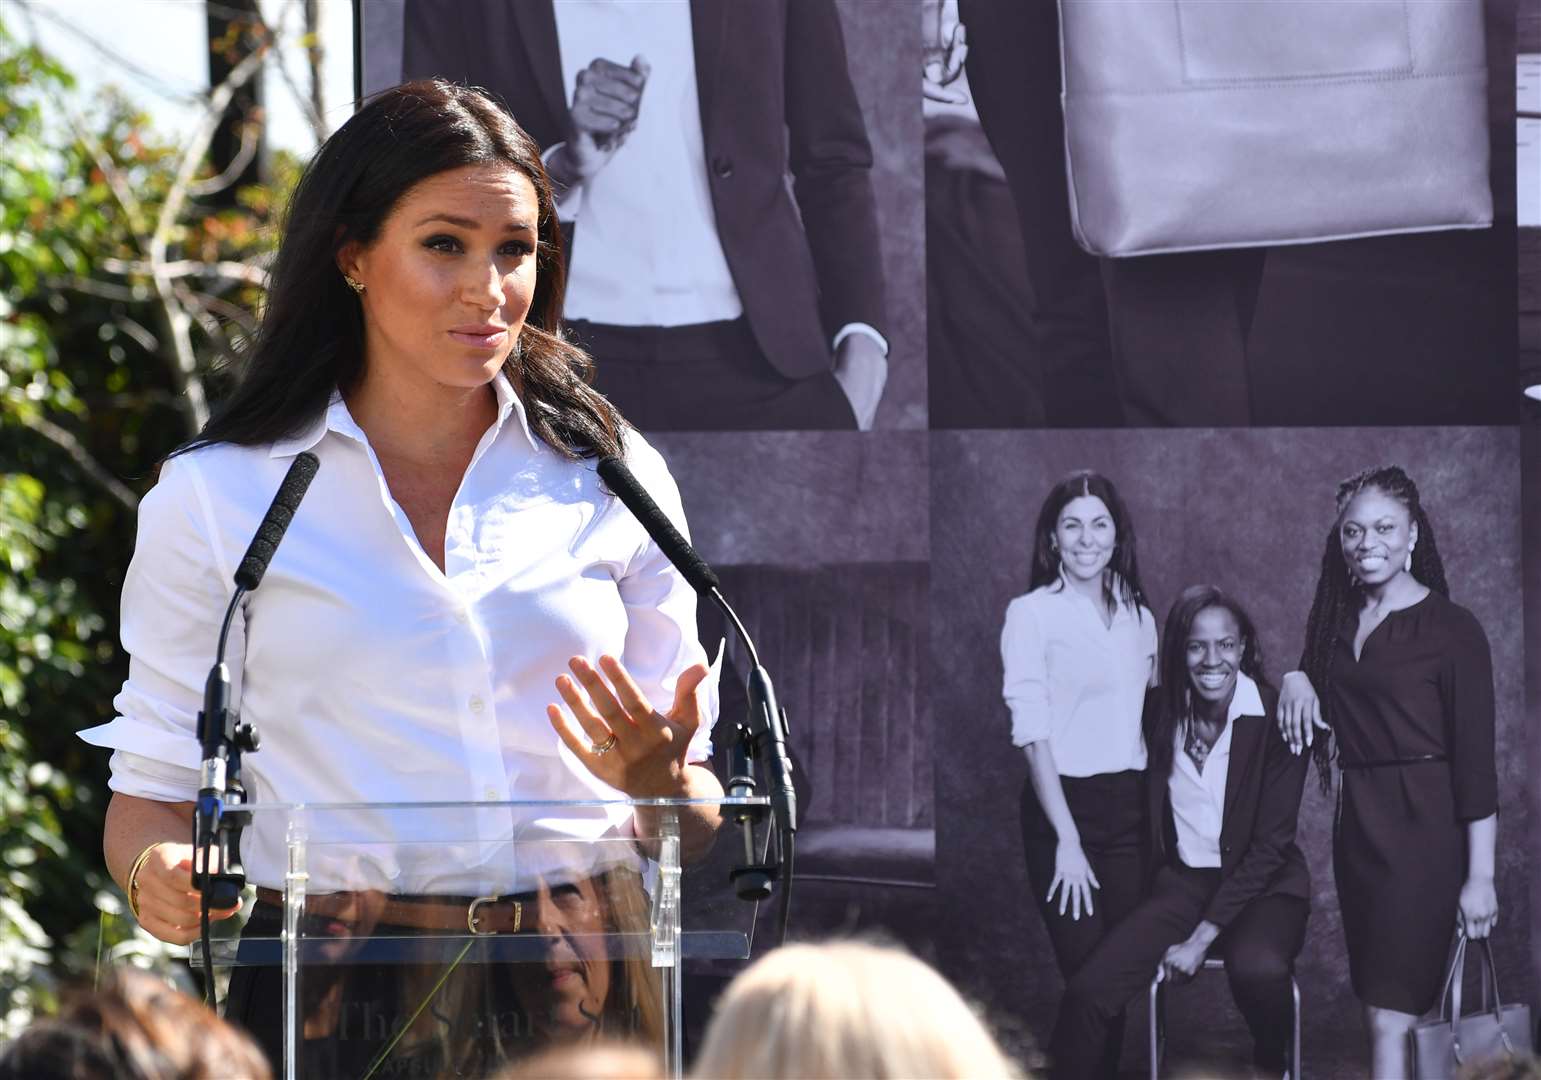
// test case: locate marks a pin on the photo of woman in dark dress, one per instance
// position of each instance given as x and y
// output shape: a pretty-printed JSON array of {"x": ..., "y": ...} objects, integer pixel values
[{"x": 1403, "y": 685}]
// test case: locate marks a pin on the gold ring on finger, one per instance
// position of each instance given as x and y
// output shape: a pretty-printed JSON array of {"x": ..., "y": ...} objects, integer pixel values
[{"x": 603, "y": 748}]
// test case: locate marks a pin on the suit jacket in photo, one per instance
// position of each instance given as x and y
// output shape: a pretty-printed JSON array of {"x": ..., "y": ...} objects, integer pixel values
[
  {"x": 1258, "y": 853},
  {"x": 776, "y": 101}
]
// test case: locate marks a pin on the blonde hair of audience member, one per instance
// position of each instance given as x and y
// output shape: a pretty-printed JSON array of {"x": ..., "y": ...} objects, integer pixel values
[
  {"x": 846, "y": 1009},
  {"x": 133, "y": 1027},
  {"x": 590, "y": 1061}
]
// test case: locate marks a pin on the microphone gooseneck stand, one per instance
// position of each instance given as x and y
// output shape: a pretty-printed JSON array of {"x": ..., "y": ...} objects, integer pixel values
[
  {"x": 220, "y": 814},
  {"x": 762, "y": 736}
]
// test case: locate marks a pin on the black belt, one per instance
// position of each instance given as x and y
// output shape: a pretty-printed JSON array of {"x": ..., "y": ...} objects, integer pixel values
[{"x": 1383, "y": 763}]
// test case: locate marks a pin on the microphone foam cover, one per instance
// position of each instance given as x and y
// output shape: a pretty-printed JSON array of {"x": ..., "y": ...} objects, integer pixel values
[
  {"x": 276, "y": 521},
  {"x": 619, "y": 479}
]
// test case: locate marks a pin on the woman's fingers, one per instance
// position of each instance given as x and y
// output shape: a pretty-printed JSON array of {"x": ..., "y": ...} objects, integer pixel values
[
  {"x": 591, "y": 722},
  {"x": 605, "y": 702},
  {"x": 1091, "y": 875},
  {"x": 577, "y": 742},
  {"x": 627, "y": 694},
  {"x": 687, "y": 708},
  {"x": 1289, "y": 727},
  {"x": 1049, "y": 896}
]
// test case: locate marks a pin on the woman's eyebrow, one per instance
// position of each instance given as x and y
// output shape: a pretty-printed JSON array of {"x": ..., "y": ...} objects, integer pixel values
[{"x": 472, "y": 223}]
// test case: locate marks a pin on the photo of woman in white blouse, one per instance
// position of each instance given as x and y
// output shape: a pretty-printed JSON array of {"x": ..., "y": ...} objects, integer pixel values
[{"x": 1079, "y": 652}]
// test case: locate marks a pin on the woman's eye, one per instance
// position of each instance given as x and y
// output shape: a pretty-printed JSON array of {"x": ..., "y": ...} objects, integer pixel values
[
  {"x": 517, "y": 248},
  {"x": 442, "y": 243}
]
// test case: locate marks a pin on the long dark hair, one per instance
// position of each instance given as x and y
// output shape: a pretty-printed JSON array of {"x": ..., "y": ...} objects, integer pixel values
[
  {"x": 1171, "y": 700},
  {"x": 1121, "y": 581},
  {"x": 1339, "y": 595},
  {"x": 311, "y": 340}
]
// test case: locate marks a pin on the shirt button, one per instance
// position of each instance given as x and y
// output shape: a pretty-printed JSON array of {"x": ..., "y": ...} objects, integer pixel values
[
  {"x": 476, "y": 704},
  {"x": 722, "y": 166},
  {"x": 461, "y": 614},
  {"x": 490, "y": 793}
]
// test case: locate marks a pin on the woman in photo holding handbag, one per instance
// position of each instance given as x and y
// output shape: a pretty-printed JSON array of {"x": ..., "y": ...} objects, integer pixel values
[
  {"x": 1079, "y": 652},
  {"x": 1406, "y": 692}
]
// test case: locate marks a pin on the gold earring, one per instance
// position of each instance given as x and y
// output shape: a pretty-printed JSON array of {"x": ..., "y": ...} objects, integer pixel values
[{"x": 356, "y": 286}]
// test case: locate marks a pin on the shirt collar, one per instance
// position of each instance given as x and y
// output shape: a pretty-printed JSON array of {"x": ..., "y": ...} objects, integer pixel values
[
  {"x": 1246, "y": 701},
  {"x": 1075, "y": 596},
  {"x": 337, "y": 418}
]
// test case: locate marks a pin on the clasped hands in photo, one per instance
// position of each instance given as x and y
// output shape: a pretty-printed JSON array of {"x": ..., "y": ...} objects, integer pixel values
[{"x": 607, "y": 102}]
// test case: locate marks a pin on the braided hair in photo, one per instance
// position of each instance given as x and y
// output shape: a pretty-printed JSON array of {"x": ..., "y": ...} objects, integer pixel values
[{"x": 1340, "y": 596}]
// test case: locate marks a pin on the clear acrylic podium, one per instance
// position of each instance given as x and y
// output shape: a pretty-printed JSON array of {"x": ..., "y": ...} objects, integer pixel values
[{"x": 445, "y": 939}]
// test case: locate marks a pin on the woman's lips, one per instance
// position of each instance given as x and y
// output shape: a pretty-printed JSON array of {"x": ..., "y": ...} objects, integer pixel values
[{"x": 480, "y": 338}]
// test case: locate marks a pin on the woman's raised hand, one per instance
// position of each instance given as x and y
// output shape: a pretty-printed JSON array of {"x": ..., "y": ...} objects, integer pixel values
[
  {"x": 1073, "y": 878},
  {"x": 1300, "y": 711},
  {"x": 164, "y": 895},
  {"x": 619, "y": 736}
]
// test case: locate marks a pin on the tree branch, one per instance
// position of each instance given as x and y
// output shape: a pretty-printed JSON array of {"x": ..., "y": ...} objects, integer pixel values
[
  {"x": 133, "y": 294},
  {"x": 180, "y": 268},
  {"x": 77, "y": 452},
  {"x": 251, "y": 138},
  {"x": 177, "y": 319}
]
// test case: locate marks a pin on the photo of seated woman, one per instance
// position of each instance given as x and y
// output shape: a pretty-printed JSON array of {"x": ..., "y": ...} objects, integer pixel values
[{"x": 1329, "y": 750}]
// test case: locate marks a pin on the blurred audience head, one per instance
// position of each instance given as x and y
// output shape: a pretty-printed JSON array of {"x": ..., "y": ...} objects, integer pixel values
[
  {"x": 589, "y": 1061},
  {"x": 133, "y": 1027},
  {"x": 845, "y": 1009}
]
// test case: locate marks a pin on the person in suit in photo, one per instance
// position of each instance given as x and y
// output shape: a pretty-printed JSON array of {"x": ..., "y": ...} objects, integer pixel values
[
  {"x": 713, "y": 293},
  {"x": 1224, "y": 794}
]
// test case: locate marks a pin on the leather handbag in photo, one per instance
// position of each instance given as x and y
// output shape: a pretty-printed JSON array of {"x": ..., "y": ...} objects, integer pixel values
[
  {"x": 1441, "y": 1048},
  {"x": 1192, "y": 124}
]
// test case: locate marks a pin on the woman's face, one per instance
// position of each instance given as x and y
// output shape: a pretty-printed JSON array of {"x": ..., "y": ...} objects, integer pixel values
[
  {"x": 449, "y": 279},
  {"x": 565, "y": 996},
  {"x": 1213, "y": 652},
  {"x": 1085, "y": 536},
  {"x": 1377, "y": 534}
]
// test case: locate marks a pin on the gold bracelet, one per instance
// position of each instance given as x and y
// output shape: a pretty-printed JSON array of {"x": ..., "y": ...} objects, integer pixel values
[{"x": 133, "y": 878}]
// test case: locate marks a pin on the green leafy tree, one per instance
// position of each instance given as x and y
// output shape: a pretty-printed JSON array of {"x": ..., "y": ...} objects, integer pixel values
[{"x": 122, "y": 298}]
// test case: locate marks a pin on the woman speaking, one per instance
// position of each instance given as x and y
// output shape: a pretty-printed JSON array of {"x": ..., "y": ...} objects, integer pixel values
[
  {"x": 455, "y": 556},
  {"x": 1079, "y": 651}
]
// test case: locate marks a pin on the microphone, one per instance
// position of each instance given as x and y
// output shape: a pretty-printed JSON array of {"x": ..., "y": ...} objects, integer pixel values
[
  {"x": 619, "y": 479},
  {"x": 222, "y": 739},
  {"x": 276, "y": 521},
  {"x": 766, "y": 729}
]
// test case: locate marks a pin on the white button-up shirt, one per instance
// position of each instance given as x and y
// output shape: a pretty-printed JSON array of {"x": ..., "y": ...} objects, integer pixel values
[
  {"x": 649, "y": 254},
  {"x": 1198, "y": 798},
  {"x": 371, "y": 675},
  {"x": 1076, "y": 681}
]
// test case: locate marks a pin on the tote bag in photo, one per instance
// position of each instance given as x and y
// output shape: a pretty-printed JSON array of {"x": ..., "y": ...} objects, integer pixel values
[{"x": 1194, "y": 124}]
